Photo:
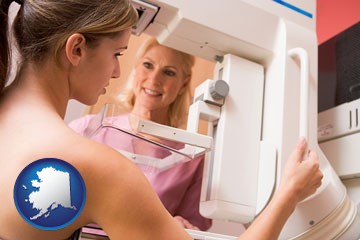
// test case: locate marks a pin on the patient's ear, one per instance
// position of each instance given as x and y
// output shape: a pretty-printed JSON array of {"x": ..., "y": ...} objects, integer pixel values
[{"x": 75, "y": 48}]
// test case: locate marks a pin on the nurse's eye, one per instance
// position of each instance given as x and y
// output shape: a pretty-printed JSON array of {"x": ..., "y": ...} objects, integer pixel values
[
  {"x": 148, "y": 65},
  {"x": 170, "y": 73}
]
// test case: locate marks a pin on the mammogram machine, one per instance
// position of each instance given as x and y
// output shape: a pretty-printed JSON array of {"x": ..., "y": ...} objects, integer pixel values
[{"x": 262, "y": 99}]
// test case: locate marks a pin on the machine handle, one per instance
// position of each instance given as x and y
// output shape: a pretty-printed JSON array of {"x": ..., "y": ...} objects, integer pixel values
[{"x": 304, "y": 88}]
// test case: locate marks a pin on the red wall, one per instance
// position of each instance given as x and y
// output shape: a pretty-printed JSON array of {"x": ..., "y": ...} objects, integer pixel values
[{"x": 334, "y": 16}]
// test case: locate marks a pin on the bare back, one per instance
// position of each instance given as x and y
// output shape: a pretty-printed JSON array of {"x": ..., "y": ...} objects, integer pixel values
[{"x": 119, "y": 198}]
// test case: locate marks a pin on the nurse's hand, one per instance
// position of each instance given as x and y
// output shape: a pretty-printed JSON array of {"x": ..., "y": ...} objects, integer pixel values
[{"x": 185, "y": 223}]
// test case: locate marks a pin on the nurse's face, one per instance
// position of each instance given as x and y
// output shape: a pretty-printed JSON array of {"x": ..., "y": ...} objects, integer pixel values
[{"x": 159, "y": 79}]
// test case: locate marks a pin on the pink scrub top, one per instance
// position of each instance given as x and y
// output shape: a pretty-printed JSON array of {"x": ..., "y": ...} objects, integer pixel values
[{"x": 178, "y": 187}]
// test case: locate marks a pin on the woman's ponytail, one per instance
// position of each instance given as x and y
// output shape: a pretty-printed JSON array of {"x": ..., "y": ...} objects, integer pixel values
[{"x": 5, "y": 58}]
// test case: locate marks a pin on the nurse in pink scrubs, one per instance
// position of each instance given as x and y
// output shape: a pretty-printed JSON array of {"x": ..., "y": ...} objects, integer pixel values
[{"x": 160, "y": 92}]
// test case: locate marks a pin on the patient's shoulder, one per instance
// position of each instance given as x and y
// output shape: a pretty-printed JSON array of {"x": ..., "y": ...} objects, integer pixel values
[
  {"x": 96, "y": 158},
  {"x": 107, "y": 174},
  {"x": 115, "y": 186},
  {"x": 101, "y": 166}
]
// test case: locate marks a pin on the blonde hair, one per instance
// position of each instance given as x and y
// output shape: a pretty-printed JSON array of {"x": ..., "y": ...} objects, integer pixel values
[
  {"x": 179, "y": 108},
  {"x": 42, "y": 27}
]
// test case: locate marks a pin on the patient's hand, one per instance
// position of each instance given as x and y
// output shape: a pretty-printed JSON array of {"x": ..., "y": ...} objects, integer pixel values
[
  {"x": 301, "y": 178},
  {"x": 185, "y": 223}
]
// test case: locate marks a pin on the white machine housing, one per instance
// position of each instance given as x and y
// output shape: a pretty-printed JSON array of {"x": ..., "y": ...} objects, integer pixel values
[{"x": 267, "y": 53}]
